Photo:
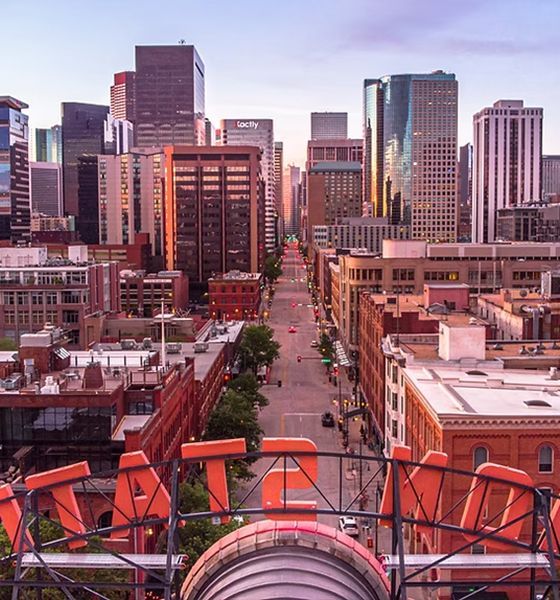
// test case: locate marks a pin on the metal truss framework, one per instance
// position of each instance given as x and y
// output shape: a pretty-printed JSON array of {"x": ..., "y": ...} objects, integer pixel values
[{"x": 530, "y": 562}]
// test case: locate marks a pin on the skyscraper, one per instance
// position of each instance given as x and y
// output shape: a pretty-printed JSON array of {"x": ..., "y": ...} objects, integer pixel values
[
  {"x": 131, "y": 197},
  {"x": 123, "y": 96},
  {"x": 46, "y": 188},
  {"x": 15, "y": 205},
  {"x": 83, "y": 132},
  {"x": 465, "y": 192},
  {"x": 291, "y": 199},
  {"x": 259, "y": 133},
  {"x": 169, "y": 87},
  {"x": 214, "y": 211},
  {"x": 410, "y": 153},
  {"x": 278, "y": 183},
  {"x": 46, "y": 145},
  {"x": 550, "y": 176},
  {"x": 507, "y": 155},
  {"x": 334, "y": 192},
  {"x": 329, "y": 125}
]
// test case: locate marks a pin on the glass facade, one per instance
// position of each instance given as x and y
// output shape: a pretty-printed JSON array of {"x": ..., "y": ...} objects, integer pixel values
[
  {"x": 410, "y": 153},
  {"x": 15, "y": 206},
  {"x": 169, "y": 96}
]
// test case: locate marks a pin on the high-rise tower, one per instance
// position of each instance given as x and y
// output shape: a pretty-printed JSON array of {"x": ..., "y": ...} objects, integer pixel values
[
  {"x": 507, "y": 153},
  {"x": 410, "y": 152},
  {"x": 169, "y": 88}
]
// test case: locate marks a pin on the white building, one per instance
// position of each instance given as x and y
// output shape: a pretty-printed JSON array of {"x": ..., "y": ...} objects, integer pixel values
[
  {"x": 260, "y": 133},
  {"x": 358, "y": 232},
  {"x": 506, "y": 162}
]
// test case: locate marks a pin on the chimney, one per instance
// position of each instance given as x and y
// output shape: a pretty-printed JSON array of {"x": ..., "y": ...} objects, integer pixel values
[{"x": 93, "y": 376}]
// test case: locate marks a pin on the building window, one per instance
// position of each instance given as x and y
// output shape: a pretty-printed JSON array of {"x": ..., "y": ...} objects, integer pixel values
[
  {"x": 478, "y": 549},
  {"x": 545, "y": 459},
  {"x": 480, "y": 456}
]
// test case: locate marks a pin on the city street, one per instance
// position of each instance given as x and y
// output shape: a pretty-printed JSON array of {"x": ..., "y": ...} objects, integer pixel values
[{"x": 295, "y": 409}]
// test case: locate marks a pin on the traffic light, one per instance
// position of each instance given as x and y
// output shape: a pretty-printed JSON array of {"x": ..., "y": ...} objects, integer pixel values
[
  {"x": 227, "y": 377},
  {"x": 335, "y": 371},
  {"x": 298, "y": 358}
]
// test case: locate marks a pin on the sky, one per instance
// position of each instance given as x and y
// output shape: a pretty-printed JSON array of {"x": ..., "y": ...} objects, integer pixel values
[{"x": 283, "y": 60}]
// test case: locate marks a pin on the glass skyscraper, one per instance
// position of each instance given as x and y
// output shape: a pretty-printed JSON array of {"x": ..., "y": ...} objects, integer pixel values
[
  {"x": 410, "y": 152},
  {"x": 15, "y": 205},
  {"x": 169, "y": 87}
]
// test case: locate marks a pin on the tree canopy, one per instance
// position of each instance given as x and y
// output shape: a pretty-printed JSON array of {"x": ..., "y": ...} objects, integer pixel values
[
  {"x": 258, "y": 348},
  {"x": 272, "y": 269},
  {"x": 247, "y": 385}
]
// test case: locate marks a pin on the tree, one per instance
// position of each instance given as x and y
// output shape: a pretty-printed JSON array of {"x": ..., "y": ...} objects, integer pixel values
[
  {"x": 247, "y": 385},
  {"x": 6, "y": 344},
  {"x": 326, "y": 347},
  {"x": 236, "y": 417},
  {"x": 258, "y": 348},
  {"x": 272, "y": 269}
]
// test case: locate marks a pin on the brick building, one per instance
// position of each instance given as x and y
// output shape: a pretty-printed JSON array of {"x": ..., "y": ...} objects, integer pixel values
[
  {"x": 214, "y": 211},
  {"x": 235, "y": 295},
  {"x": 66, "y": 293},
  {"x": 142, "y": 294},
  {"x": 383, "y": 314}
]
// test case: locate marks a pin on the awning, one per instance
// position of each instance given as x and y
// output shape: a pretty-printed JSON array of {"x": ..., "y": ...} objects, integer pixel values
[{"x": 341, "y": 357}]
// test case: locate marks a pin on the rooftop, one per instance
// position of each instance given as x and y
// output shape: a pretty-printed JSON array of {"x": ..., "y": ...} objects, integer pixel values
[
  {"x": 467, "y": 392},
  {"x": 236, "y": 275},
  {"x": 12, "y": 102}
]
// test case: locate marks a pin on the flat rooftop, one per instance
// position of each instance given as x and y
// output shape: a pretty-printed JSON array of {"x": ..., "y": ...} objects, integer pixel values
[{"x": 468, "y": 392}]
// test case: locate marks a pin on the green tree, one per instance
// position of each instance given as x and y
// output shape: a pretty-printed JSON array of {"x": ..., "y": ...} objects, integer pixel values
[
  {"x": 247, "y": 385},
  {"x": 326, "y": 347},
  {"x": 272, "y": 269},
  {"x": 236, "y": 417},
  {"x": 6, "y": 344},
  {"x": 258, "y": 348}
]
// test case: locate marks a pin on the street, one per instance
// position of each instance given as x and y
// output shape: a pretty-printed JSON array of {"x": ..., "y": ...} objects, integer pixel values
[{"x": 295, "y": 409}]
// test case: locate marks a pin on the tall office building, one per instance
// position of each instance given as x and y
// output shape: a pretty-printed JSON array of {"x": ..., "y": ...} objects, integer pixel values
[
  {"x": 209, "y": 132},
  {"x": 410, "y": 152},
  {"x": 169, "y": 87},
  {"x": 131, "y": 198},
  {"x": 46, "y": 144},
  {"x": 333, "y": 150},
  {"x": 46, "y": 188},
  {"x": 278, "y": 183},
  {"x": 123, "y": 96},
  {"x": 465, "y": 192},
  {"x": 550, "y": 176},
  {"x": 83, "y": 132},
  {"x": 334, "y": 192},
  {"x": 214, "y": 211},
  {"x": 87, "y": 222},
  {"x": 329, "y": 125},
  {"x": 15, "y": 205},
  {"x": 259, "y": 133},
  {"x": 507, "y": 155},
  {"x": 291, "y": 200}
]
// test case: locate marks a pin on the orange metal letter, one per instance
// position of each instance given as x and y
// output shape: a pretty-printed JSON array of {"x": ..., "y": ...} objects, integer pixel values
[
  {"x": 64, "y": 497},
  {"x": 517, "y": 504},
  {"x": 10, "y": 516},
  {"x": 554, "y": 518},
  {"x": 154, "y": 500},
  {"x": 301, "y": 477},
  {"x": 215, "y": 468},
  {"x": 419, "y": 491}
]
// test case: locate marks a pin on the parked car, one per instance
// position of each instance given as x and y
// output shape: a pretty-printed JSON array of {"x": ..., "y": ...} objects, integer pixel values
[
  {"x": 292, "y": 329},
  {"x": 349, "y": 526},
  {"x": 327, "y": 419}
]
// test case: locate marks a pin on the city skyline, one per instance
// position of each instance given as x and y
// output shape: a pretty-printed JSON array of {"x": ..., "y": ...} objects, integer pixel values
[{"x": 321, "y": 69}]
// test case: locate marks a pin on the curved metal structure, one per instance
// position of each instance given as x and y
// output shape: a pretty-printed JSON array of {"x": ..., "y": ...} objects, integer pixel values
[{"x": 525, "y": 561}]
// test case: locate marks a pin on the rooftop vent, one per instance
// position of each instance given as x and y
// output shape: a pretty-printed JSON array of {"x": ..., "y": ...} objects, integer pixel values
[
  {"x": 555, "y": 346},
  {"x": 476, "y": 372},
  {"x": 523, "y": 351},
  {"x": 543, "y": 403},
  {"x": 497, "y": 346}
]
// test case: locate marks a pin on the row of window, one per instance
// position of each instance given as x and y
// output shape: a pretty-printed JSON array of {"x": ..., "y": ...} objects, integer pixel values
[{"x": 545, "y": 458}]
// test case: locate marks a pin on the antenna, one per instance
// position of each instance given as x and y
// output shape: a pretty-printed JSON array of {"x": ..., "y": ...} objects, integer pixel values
[{"x": 182, "y": 42}]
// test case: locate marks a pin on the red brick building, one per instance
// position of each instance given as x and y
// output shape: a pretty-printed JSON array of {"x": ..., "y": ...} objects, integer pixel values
[
  {"x": 381, "y": 315},
  {"x": 235, "y": 295},
  {"x": 142, "y": 294},
  {"x": 478, "y": 418}
]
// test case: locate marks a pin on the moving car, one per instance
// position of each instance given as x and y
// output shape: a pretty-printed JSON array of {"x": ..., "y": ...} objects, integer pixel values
[
  {"x": 349, "y": 526},
  {"x": 314, "y": 344},
  {"x": 327, "y": 419},
  {"x": 292, "y": 329}
]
